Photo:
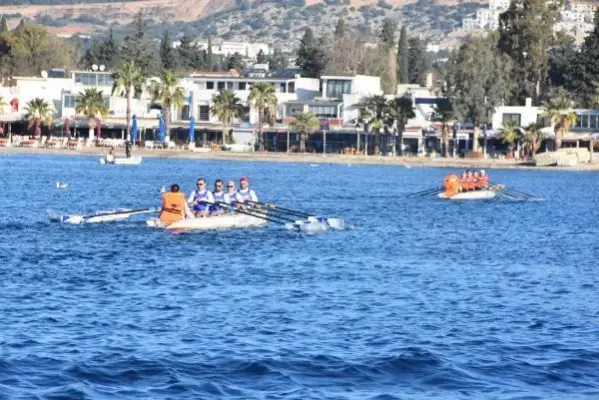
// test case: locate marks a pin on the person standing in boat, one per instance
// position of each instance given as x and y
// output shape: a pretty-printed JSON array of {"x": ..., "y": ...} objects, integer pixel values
[
  {"x": 451, "y": 185},
  {"x": 127, "y": 149},
  {"x": 200, "y": 199},
  {"x": 174, "y": 207},
  {"x": 220, "y": 197},
  {"x": 245, "y": 193}
]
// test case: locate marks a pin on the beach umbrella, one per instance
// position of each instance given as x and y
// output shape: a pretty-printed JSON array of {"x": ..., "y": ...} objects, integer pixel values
[
  {"x": 98, "y": 128},
  {"x": 134, "y": 129},
  {"x": 162, "y": 131},
  {"x": 67, "y": 128},
  {"x": 192, "y": 128}
]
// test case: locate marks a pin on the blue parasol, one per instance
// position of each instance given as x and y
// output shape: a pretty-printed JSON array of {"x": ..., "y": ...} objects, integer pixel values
[
  {"x": 162, "y": 132},
  {"x": 134, "y": 129},
  {"x": 192, "y": 128}
]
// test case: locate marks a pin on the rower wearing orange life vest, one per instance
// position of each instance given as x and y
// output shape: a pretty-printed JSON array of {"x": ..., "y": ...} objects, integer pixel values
[
  {"x": 483, "y": 179},
  {"x": 462, "y": 181},
  {"x": 451, "y": 184},
  {"x": 174, "y": 206}
]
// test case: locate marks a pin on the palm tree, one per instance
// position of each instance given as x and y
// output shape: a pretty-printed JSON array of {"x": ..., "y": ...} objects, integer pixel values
[
  {"x": 128, "y": 83},
  {"x": 90, "y": 104},
  {"x": 532, "y": 138},
  {"x": 509, "y": 134},
  {"x": 226, "y": 106},
  {"x": 39, "y": 112},
  {"x": 559, "y": 110},
  {"x": 305, "y": 123},
  {"x": 443, "y": 112},
  {"x": 402, "y": 109},
  {"x": 375, "y": 112},
  {"x": 264, "y": 97},
  {"x": 168, "y": 92}
]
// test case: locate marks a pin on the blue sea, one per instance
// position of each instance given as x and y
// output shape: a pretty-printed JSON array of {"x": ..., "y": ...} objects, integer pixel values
[{"x": 421, "y": 299}]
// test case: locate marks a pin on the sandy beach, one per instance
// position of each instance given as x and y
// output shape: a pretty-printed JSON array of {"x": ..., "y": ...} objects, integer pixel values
[{"x": 406, "y": 162}]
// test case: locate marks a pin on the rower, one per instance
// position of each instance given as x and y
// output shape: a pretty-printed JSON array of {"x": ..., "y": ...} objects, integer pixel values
[
  {"x": 174, "y": 208},
  {"x": 234, "y": 197},
  {"x": 200, "y": 199},
  {"x": 469, "y": 183},
  {"x": 451, "y": 184},
  {"x": 219, "y": 196},
  {"x": 463, "y": 182},
  {"x": 484, "y": 179},
  {"x": 245, "y": 193},
  {"x": 476, "y": 181}
]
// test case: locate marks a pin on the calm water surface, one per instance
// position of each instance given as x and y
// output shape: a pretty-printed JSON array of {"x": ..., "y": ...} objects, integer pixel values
[{"x": 424, "y": 299}]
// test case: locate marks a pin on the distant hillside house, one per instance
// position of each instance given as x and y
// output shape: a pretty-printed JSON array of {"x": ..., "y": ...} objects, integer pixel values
[{"x": 249, "y": 50}]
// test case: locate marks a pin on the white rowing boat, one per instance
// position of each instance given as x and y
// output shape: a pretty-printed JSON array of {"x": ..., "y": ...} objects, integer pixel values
[
  {"x": 224, "y": 221},
  {"x": 471, "y": 195},
  {"x": 122, "y": 161}
]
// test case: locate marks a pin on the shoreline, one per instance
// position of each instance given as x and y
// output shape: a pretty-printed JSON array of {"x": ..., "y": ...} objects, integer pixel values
[{"x": 406, "y": 162}]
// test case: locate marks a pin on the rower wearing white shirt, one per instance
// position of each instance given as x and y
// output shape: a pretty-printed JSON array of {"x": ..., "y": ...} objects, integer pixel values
[
  {"x": 200, "y": 198},
  {"x": 219, "y": 196},
  {"x": 234, "y": 197},
  {"x": 245, "y": 193}
]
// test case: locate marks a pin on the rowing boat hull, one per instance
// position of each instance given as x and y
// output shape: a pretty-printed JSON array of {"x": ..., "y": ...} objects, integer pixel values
[
  {"x": 472, "y": 195},
  {"x": 123, "y": 161},
  {"x": 225, "y": 221}
]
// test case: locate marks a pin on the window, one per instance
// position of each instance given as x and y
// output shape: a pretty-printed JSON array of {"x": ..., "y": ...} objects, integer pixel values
[
  {"x": 511, "y": 117},
  {"x": 210, "y": 85},
  {"x": 230, "y": 85},
  {"x": 543, "y": 121},
  {"x": 337, "y": 88},
  {"x": 584, "y": 121},
  {"x": 282, "y": 87},
  {"x": 291, "y": 87},
  {"x": 220, "y": 85},
  {"x": 105, "y": 80},
  {"x": 69, "y": 101},
  {"x": 593, "y": 122},
  {"x": 204, "y": 113},
  {"x": 242, "y": 85},
  {"x": 294, "y": 109},
  {"x": 184, "y": 112},
  {"x": 324, "y": 111}
]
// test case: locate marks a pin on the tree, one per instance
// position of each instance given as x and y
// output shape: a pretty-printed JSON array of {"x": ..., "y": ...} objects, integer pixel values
[
  {"x": 103, "y": 52},
  {"x": 525, "y": 35},
  {"x": 226, "y": 106},
  {"x": 402, "y": 110},
  {"x": 210, "y": 64},
  {"x": 374, "y": 111},
  {"x": 560, "y": 110},
  {"x": 443, "y": 112},
  {"x": 128, "y": 82},
  {"x": 509, "y": 134},
  {"x": 478, "y": 80},
  {"x": 21, "y": 25},
  {"x": 261, "y": 57},
  {"x": 39, "y": 113},
  {"x": 264, "y": 97},
  {"x": 311, "y": 57},
  {"x": 168, "y": 55},
  {"x": 340, "y": 29},
  {"x": 403, "y": 57},
  {"x": 416, "y": 61},
  {"x": 532, "y": 138},
  {"x": 387, "y": 47},
  {"x": 91, "y": 104},
  {"x": 138, "y": 48},
  {"x": 190, "y": 56},
  {"x": 585, "y": 68},
  {"x": 235, "y": 61},
  {"x": 169, "y": 94},
  {"x": 305, "y": 123},
  {"x": 3, "y": 25},
  {"x": 277, "y": 60},
  {"x": 561, "y": 58}
]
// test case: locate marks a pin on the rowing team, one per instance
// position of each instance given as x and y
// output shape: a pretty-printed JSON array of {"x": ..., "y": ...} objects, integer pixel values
[
  {"x": 203, "y": 202},
  {"x": 469, "y": 180}
]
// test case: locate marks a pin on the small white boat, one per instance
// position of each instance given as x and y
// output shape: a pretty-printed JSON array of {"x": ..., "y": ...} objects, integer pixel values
[
  {"x": 122, "y": 161},
  {"x": 471, "y": 195},
  {"x": 225, "y": 221}
]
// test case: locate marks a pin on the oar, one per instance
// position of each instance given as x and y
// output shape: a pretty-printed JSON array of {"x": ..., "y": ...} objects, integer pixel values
[
  {"x": 138, "y": 211},
  {"x": 335, "y": 223},
  {"x": 519, "y": 193},
  {"x": 425, "y": 192},
  {"x": 278, "y": 220}
]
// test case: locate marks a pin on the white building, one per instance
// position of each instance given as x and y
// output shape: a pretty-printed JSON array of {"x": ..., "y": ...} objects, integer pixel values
[{"x": 223, "y": 48}]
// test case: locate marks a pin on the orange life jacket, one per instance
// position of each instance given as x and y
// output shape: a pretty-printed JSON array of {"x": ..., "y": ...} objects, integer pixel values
[
  {"x": 452, "y": 185},
  {"x": 173, "y": 207}
]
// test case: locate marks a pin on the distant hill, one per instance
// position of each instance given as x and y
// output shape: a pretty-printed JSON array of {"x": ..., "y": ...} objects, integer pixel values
[{"x": 271, "y": 21}]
